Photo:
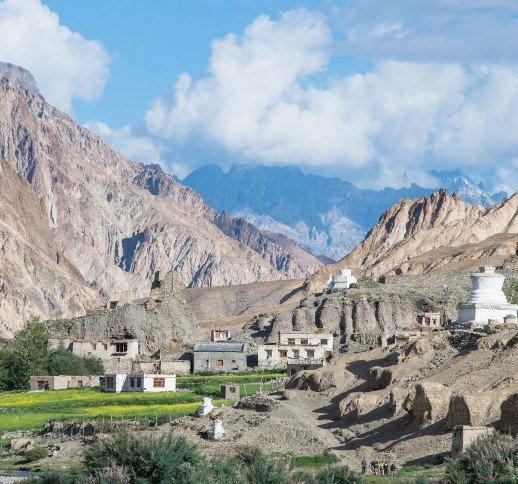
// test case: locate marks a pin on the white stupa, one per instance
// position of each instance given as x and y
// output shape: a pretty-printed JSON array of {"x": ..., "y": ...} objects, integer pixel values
[
  {"x": 342, "y": 281},
  {"x": 487, "y": 300}
]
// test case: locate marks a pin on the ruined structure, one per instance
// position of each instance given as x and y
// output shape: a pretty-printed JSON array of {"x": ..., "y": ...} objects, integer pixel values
[
  {"x": 62, "y": 382},
  {"x": 464, "y": 435},
  {"x": 123, "y": 334}
]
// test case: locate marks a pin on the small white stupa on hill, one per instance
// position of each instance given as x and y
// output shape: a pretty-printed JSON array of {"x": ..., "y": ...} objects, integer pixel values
[
  {"x": 487, "y": 300},
  {"x": 342, "y": 281}
]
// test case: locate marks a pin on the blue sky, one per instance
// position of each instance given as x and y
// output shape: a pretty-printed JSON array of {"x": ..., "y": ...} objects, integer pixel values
[{"x": 365, "y": 89}]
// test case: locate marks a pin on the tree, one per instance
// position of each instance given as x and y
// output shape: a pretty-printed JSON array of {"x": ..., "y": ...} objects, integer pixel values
[
  {"x": 63, "y": 362},
  {"x": 24, "y": 356}
]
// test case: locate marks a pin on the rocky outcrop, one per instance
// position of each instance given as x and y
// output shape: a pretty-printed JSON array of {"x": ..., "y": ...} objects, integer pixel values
[
  {"x": 433, "y": 233},
  {"x": 358, "y": 404},
  {"x": 429, "y": 403},
  {"x": 379, "y": 378},
  {"x": 320, "y": 379},
  {"x": 509, "y": 415}
]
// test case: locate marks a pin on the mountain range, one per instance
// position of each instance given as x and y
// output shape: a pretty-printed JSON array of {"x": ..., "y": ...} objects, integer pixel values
[
  {"x": 79, "y": 221},
  {"x": 326, "y": 216},
  {"x": 437, "y": 233}
]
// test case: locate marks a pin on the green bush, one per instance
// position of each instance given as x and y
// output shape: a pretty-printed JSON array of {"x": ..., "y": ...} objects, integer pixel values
[
  {"x": 64, "y": 362},
  {"x": 153, "y": 460},
  {"x": 511, "y": 290},
  {"x": 35, "y": 454},
  {"x": 331, "y": 475},
  {"x": 492, "y": 458}
]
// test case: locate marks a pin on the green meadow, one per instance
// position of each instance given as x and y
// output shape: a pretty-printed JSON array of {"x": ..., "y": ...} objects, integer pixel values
[{"x": 30, "y": 410}]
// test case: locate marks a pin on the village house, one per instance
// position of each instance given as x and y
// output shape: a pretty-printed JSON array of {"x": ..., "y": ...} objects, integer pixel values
[
  {"x": 138, "y": 382},
  {"x": 62, "y": 382},
  {"x": 214, "y": 357},
  {"x": 217, "y": 335},
  {"x": 105, "y": 349},
  {"x": 296, "y": 347}
]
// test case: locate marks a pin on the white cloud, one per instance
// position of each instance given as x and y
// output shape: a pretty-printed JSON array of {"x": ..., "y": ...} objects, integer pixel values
[
  {"x": 124, "y": 140},
  {"x": 65, "y": 65},
  {"x": 258, "y": 102}
]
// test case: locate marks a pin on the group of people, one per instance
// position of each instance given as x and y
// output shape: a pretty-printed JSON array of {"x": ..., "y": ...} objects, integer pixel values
[{"x": 381, "y": 468}]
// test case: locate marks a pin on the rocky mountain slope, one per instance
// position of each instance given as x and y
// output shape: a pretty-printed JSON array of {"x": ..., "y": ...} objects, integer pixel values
[
  {"x": 434, "y": 233},
  {"x": 116, "y": 221},
  {"x": 326, "y": 216},
  {"x": 34, "y": 276}
]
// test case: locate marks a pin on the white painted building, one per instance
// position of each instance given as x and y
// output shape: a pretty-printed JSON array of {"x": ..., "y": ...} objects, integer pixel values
[
  {"x": 294, "y": 347},
  {"x": 301, "y": 338},
  {"x": 487, "y": 300},
  {"x": 138, "y": 382},
  {"x": 105, "y": 349},
  {"x": 343, "y": 280}
]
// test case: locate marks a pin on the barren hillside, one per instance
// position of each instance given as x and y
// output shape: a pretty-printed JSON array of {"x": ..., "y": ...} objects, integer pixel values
[{"x": 434, "y": 233}]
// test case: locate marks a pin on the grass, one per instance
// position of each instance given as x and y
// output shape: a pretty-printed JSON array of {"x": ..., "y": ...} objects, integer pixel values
[
  {"x": 411, "y": 474},
  {"x": 30, "y": 411},
  {"x": 313, "y": 461},
  {"x": 210, "y": 384}
]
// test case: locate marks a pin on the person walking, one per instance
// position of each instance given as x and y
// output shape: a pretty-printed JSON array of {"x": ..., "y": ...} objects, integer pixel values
[{"x": 364, "y": 466}]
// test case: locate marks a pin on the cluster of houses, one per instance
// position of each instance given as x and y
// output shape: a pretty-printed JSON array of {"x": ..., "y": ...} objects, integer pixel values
[{"x": 293, "y": 351}]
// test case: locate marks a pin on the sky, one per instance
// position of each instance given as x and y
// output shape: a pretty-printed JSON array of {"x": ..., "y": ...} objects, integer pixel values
[{"x": 373, "y": 91}]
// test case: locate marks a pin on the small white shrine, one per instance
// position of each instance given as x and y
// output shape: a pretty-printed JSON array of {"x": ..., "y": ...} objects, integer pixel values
[
  {"x": 342, "y": 281},
  {"x": 487, "y": 300}
]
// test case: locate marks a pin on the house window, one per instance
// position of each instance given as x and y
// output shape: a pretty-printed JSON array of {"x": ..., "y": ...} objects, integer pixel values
[
  {"x": 121, "y": 347},
  {"x": 291, "y": 341},
  {"x": 304, "y": 341},
  {"x": 310, "y": 353},
  {"x": 220, "y": 363},
  {"x": 283, "y": 353},
  {"x": 105, "y": 346},
  {"x": 132, "y": 382},
  {"x": 233, "y": 362},
  {"x": 139, "y": 382},
  {"x": 323, "y": 342},
  {"x": 94, "y": 346},
  {"x": 159, "y": 382},
  {"x": 80, "y": 383},
  {"x": 110, "y": 382},
  {"x": 268, "y": 354},
  {"x": 296, "y": 353}
]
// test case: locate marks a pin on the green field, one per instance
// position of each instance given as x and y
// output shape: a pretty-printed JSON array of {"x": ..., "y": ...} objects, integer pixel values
[{"x": 30, "y": 411}]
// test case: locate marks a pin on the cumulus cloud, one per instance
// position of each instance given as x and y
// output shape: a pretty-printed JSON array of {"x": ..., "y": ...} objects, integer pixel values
[
  {"x": 124, "y": 140},
  {"x": 258, "y": 101},
  {"x": 65, "y": 65}
]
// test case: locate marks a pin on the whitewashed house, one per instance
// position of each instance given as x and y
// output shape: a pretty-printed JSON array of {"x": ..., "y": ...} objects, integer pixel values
[{"x": 138, "y": 382}]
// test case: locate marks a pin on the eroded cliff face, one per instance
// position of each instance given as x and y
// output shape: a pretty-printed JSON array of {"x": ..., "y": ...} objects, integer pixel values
[
  {"x": 434, "y": 233},
  {"x": 114, "y": 221}
]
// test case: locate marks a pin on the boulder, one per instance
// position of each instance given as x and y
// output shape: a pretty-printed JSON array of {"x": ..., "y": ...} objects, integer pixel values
[
  {"x": 509, "y": 415},
  {"x": 357, "y": 404},
  {"x": 258, "y": 403},
  {"x": 396, "y": 400},
  {"x": 430, "y": 404},
  {"x": 379, "y": 378},
  {"x": 21, "y": 445},
  {"x": 320, "y": 379},
  {"x": 216, "y": 431}
]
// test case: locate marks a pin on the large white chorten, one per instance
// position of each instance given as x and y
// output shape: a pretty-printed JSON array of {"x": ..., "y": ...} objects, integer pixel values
[
  {"x": 487, "y": 300},
  {"x": 342, "y": 281}
]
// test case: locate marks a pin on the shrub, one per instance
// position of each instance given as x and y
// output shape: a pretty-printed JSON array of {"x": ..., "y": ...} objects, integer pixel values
[
  {"x": 154, "y": 460},
  {"x": 35, "y": 454},
  {"x": 511, "y": 290},
  {"x": 492, "y": 458},
  {"x": 332, "y": 475}
]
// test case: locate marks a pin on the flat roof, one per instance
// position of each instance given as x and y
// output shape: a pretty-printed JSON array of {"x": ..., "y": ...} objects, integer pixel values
[{"x": 220, "y": 347}]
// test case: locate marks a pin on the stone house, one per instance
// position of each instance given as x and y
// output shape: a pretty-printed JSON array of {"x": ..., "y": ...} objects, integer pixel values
[
  {"x": 138, "y": 382},
  {"x": 302, "y": 338},
  {"x": 215, "y": 357},
  {"x": 62, "y": 382}
]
